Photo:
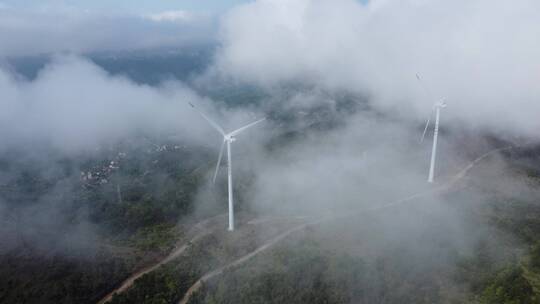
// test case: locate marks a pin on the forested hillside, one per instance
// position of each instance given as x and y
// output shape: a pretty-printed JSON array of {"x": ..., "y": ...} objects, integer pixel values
[{"x": 115, "y": 211}]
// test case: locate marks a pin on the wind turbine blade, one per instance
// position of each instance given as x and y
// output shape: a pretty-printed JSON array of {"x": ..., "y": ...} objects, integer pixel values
[
  {"x": 425, "y": 129},
  {"x": 219, "y": 161},
  {"x": 235, "y": 132},
  {"x": 215, "y": 125}
]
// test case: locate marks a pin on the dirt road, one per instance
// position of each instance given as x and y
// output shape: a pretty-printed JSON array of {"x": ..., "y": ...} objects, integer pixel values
[
  {"x": 444, "y": 187},
  {"x": 197, "y": 232}
]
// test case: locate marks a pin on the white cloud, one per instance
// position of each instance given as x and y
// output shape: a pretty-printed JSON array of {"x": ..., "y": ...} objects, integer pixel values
[
  {"x": 171, "y": 16},
  {"x": 73, "y": 104},
  {"x": 484, "y": 56}
]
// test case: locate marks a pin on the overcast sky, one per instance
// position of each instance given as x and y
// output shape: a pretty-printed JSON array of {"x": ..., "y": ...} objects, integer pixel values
[
  {"x": 29, "y": 27},
  {"x": 128, "y": 6}
]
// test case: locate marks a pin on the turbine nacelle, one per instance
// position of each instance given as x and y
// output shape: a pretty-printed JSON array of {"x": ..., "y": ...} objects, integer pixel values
[
  {"x": 441, "y": 104},
  {"x": 230, "y": 138}
]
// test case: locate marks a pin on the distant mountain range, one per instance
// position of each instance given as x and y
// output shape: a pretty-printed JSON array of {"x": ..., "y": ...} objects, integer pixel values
[{"x": 142, "y": 66}]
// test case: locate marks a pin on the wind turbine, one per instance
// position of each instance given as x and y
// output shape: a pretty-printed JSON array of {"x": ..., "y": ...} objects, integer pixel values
[
  {"x": 228, "y": 139},
  {"x": 437, "y": 108}
]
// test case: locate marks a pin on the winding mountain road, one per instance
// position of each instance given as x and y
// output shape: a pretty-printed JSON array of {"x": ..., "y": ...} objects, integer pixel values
[
  {"x": 204, "y": 228},
  {"x": 444, "y": 187},
  {"x": 197, "y": 232}
]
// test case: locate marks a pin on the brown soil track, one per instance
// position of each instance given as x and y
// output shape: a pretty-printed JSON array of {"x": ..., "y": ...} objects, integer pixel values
[
  {"x": 197, "y": 232},
  {"x": 438, "y": 189}
]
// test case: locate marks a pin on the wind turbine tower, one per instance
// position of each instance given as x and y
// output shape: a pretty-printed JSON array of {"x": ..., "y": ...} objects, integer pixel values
[
  {"x": 228, "y": 139},
  {"x": 437, "y": 108}
]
